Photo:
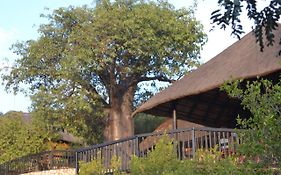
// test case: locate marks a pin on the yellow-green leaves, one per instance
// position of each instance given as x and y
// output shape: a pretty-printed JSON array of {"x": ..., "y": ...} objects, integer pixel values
[{"x": 19, "y": 138}]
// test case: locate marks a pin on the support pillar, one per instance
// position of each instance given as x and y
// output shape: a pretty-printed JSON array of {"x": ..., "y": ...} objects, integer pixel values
[{"x": 174, "y": 119}]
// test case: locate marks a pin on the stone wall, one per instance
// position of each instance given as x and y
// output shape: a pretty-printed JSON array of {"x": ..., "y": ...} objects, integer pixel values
[{"x": 69, "y": 171}]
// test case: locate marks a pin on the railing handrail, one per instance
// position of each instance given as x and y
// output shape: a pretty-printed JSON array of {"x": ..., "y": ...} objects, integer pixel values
[
  {"x": 164, "y": 132},
  {"x": 187, "y": 129},
  {"x": 127, "y": 139},
  {"x": 105, "y": 144},
  {"x": 152, "y": 134},
  {"x": 39, "y": 154},
  {"x": 216, "y": 129},
  {"x": 137, "y": 138}
]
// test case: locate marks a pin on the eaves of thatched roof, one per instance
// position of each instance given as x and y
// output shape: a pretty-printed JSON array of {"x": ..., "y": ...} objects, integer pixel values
[{"x": 197, "y": 97}]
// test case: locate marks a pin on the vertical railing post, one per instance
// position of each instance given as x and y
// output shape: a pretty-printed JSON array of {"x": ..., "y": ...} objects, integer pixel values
[
  {"x": 137, "y": 151},
  {"x": 51, "y": 159},
  {"x": 76, "y": 163},
  {"x": 174, "y": 119},
  {"x": 6, "y": 168},
  {"x": 193, "y": 142}
]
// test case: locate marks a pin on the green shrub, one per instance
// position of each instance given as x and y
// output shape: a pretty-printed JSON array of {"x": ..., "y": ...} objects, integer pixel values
[
  {"x": 96, "y": 167},
  {"x": 19, "y": 138},
  {"x": 163, "y": 161},
  {"x": 261, "y": 139},
  {"x": 211, "y": 162}
]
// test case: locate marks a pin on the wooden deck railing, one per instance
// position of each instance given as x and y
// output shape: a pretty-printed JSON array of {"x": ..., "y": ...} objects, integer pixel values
[
  {"x": 186, "y": 142},
  {"x": 46, "y": 160}
]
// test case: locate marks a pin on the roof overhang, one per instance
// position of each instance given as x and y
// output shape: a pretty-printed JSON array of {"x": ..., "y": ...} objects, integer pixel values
[{"x": 197, "y": 98}]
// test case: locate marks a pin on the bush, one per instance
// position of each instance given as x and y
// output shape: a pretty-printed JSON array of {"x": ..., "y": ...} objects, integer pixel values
[
  {"x": 212, "y": 162},
  {"x": 19, "y": 138},
  {"x": 96, "y": 167},
  {"x": 261, "y": 140},
  {"x": 163, "y": 161}
]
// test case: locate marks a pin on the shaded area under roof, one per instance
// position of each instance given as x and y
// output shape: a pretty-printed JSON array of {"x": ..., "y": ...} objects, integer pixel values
[{"x": 197, "y": 98}]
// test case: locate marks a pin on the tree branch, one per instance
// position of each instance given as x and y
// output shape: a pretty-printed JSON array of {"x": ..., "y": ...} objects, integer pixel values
[
  {"x": 92, "y": 90},
  {"x": 159, "y": 78}
]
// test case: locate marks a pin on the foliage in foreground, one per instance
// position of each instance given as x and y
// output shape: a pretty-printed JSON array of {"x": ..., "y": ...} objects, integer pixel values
[
  {"x": 163, "y": 161},
  {"x": 261, "y": 140},
  {"x": 96, "y": 167},
  {"x": 18, "y": 138}
]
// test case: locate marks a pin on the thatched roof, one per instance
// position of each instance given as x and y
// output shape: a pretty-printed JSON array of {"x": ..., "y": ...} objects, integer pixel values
[
  {"x": 70, "y": 138},
  {"x": 197, "y": 97}
]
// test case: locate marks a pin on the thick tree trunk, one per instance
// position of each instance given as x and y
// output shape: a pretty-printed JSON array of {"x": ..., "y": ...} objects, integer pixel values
[{"x": 120, "y": 123}]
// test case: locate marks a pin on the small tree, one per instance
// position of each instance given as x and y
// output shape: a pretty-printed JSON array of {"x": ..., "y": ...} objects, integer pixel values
[{"x": 263, "y": 99}]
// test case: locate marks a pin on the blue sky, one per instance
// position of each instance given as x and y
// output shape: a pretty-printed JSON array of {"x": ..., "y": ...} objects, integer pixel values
[{"x": 19, "y": 21}]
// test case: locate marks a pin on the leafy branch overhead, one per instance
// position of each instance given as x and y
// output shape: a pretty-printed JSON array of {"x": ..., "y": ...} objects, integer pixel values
[{"x": 265, "y": 20}]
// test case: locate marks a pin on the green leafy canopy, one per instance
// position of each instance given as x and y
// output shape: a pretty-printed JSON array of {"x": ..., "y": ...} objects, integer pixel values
[{"x": 86, "y": 58}]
